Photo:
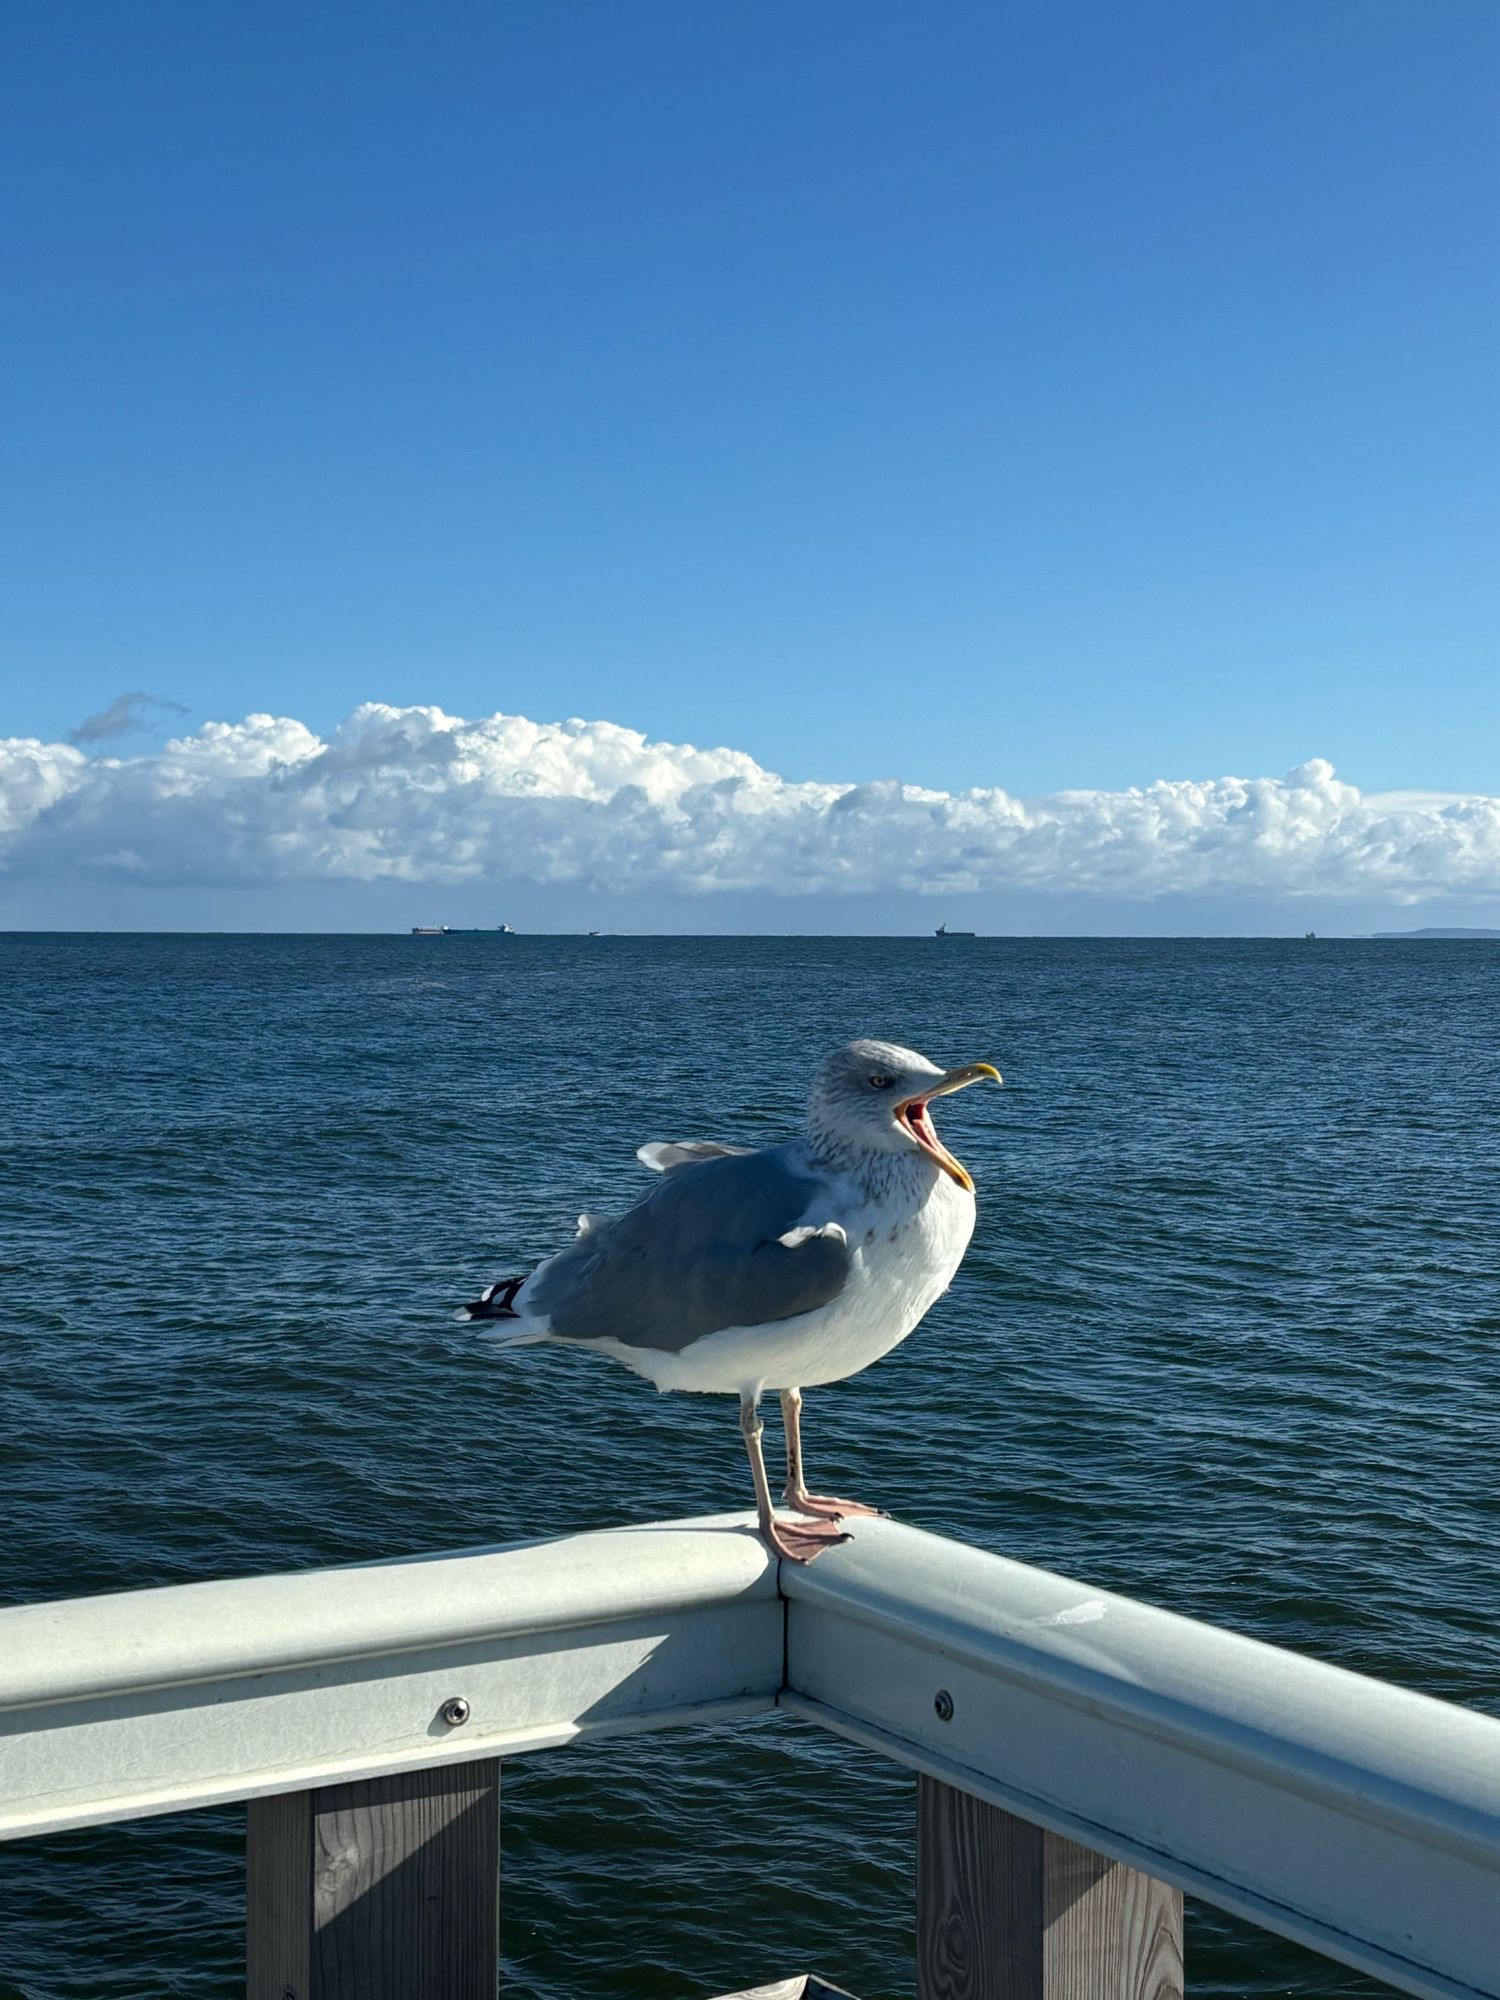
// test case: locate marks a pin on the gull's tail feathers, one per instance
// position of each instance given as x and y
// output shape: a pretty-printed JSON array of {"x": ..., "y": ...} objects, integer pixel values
[
  {"x": 498, "y": 1303},
  {"x": 495, "y": 1303}
]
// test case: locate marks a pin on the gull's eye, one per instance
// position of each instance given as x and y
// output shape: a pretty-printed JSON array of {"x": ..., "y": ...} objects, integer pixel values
[{"x": 882, "y": 1082}]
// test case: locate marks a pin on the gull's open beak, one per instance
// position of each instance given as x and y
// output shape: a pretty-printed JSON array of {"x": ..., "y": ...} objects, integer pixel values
[{"x": 912, "y": 1113}]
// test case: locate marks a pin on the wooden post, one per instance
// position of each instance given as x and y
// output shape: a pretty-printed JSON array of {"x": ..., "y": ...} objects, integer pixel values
[
  {"x": 1006, "y": 1911},
  {"x": 379, "y": 1890}
]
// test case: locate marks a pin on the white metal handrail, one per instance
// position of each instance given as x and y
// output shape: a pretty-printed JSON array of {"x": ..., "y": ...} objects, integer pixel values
[
  {"x": 1356, "y": 1817},
  {"x": 154, "y": 1701}
]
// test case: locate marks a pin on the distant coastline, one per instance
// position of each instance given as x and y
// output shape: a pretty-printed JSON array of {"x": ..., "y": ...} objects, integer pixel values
[{"x": 1396, "y": 935}]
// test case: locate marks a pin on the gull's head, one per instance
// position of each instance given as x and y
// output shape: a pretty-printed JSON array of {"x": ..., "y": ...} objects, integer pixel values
[{"x": 872, "y": 1097}]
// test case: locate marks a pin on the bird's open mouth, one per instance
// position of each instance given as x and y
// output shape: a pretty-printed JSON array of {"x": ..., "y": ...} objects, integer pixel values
[{"x": 912, "y": 1113}]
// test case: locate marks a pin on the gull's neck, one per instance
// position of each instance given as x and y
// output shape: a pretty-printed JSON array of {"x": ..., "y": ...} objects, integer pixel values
[{"x": 880, "y": 1173}]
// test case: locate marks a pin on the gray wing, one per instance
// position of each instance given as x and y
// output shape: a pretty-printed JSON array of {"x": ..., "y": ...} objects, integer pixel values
[
  {"x": 703, "y": 1251},
  {"x": 665, "y": 1156}
]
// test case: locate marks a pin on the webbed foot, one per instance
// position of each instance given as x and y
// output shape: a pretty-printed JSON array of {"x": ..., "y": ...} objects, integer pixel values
[{"x": 801, "y": 1541}]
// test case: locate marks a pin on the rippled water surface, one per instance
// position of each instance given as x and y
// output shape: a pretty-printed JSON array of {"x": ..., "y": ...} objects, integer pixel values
[{"x": 1226, "y": 1340}]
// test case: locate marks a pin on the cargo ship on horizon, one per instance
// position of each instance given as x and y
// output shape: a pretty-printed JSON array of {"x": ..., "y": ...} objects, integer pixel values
[{"x": 459, "y": 930}]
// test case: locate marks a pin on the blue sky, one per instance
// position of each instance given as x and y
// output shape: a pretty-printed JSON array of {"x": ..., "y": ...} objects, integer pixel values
[{"x": 1049, "y": 398}]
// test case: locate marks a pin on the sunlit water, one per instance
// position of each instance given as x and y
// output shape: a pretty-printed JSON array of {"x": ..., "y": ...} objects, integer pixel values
[{"x": 1225, "y": 1340}]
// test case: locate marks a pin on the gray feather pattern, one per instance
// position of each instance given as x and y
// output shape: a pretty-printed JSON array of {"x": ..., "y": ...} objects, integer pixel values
[{"x": 701, "y": 1252}]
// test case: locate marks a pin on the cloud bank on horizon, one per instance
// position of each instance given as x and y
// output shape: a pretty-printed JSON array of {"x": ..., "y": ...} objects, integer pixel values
[{"x": 414, "y": 795}]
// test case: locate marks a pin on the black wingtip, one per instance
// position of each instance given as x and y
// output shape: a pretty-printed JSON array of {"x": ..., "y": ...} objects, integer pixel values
[{"x": 494, "y": 1302}]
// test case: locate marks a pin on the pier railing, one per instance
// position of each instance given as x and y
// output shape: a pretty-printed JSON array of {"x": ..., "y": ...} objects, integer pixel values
[{"x": 1082, "y": 1759}]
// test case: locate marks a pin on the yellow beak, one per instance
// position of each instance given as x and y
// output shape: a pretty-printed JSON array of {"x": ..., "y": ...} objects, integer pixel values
[{"x": 959, "y": 1079}]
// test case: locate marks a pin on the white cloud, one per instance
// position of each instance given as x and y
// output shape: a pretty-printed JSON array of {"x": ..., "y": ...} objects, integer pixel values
[{"x": 416, "y": 795}]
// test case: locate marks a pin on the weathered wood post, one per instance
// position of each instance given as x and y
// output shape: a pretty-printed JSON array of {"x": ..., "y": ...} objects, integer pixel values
[
  {"x": 1007, "y": 1911},
  {"x": 380, "y": 1890}
]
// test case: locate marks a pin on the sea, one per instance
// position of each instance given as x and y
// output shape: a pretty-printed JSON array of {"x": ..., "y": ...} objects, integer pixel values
[{"x": 1226, "y": 1340}]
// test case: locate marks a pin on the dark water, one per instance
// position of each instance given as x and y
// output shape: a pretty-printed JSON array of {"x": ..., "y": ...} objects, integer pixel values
[{"x": 1226, "y": 1340}]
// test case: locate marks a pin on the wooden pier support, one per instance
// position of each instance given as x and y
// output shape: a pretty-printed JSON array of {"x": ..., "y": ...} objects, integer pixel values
[
  {"x": 380, "y": 1890},
  {"x": 1007, "y": 1911}
]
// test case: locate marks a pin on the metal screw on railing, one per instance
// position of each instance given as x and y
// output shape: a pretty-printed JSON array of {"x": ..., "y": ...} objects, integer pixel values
[
  {"x": 943, "y": 1705},
  {"x": 455, "y": 1712}
]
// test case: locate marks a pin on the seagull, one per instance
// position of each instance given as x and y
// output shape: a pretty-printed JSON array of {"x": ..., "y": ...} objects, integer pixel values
[{"x": 744, "y": 1271}]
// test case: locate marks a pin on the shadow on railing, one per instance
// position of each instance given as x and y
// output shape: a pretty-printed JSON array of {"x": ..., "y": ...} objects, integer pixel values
[{"x": 1082, "y": 1758}]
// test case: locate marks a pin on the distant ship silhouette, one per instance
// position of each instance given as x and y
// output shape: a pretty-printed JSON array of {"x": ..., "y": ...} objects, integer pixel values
[
  {"x": 943, "y": 931},
  {"x": 457, "y": 930}
]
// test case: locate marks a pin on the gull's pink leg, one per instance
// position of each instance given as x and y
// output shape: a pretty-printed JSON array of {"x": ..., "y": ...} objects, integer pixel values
[
  {"x": 796, "y": 1494},
  {"x": 798, "y": 1541}
]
